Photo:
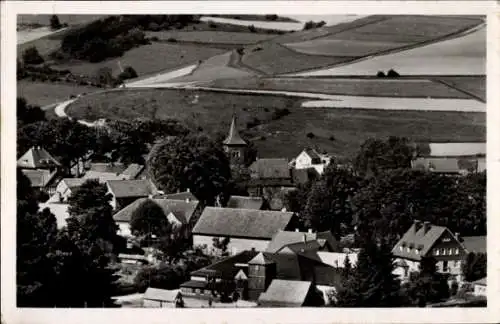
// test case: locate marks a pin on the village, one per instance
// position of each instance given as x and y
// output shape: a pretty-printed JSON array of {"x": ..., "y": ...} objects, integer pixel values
[{"x": 260, "y": 252}]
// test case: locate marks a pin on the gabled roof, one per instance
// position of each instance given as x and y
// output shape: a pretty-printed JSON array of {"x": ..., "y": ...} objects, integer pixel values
[
  {"x": 39, "y": 178},
  {"x": 246, "y": 223},
  {"x": 185, "y": 195},
  {"x": 37, "y": 158},
  {"x": 161, "y": 294},
  {"x": 332, "y": 259},
  {"x": 476, "y": 244},
  {"x": 116, "y": 168},
  {"x": 260, "y": 259},
  {"x": 313, "y": 154},
  {"x": 103, "y": 176},
  {"x": 417, "y": 238},
  {"x": 270, "y": 169},
  {"x": 182, "y": 210},
  {"x": 285, "y": 293},
  {"x": 481, "y": 281},
  {"x": 73, "y": 183},
  {"x": 226, "y": 268},
  {"x": 130, "y": 188},
  {"x": 243, "y": 202},
  {"x": 133, "y": 171},
  {"x": 285, "y": 238},
  {"x": 234, "y": 138}
]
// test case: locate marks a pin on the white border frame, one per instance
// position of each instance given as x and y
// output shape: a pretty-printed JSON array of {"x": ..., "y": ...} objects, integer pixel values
[{"x": 10, "y": 314}]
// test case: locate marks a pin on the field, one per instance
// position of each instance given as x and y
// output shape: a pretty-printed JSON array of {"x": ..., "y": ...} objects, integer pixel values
[
  {"x": 475, "y": 85},
  {"x": 148, "y": 59},
  {"x": 339, "y": 131},
  {"x": 44, "y": 20},
  {"x": 337, "y": 47},
  {"x": 44, "y": 93},
  {"x": 359, "y": 87},
  {"x": 464, "y": 55},
  {"x": 211, "y": 37}
]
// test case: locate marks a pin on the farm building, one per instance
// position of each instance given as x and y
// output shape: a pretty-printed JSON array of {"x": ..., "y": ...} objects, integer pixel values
[
  {"x": 450, "y": 165},
  {"x": 124, "y": 192},
  {"x": 282, "y": 239},
  {"x": 310, "y": 158},
  {"x": 480, "y": 287},
  {"x": 474, "y": 149},
  {"x": 41, "y": 168},
  {"x": 289, "y": 293},
  {"x": 268, "y": 177},
  {"x": 246, "y": 229},
  {"x": 178, "y": 212},
  {"x": 161, "y": 298},
  {"x": 66, "y": 187}
]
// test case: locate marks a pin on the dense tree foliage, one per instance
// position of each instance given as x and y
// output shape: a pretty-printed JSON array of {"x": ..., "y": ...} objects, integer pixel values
[
  {"x": 149, "y": 219},
  {"x": 192, "y": 162},
  {"x": 474, "y": 267},
  {"x": 376, "y": 155},
  {"x": 427, "y": 285},
  {"x": 54, "y": 22},
  {"x": 27, "y": 114},
  {"x": 32, "y": 56}
]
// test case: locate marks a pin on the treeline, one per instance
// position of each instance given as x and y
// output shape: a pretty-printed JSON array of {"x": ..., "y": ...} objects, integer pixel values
[{"x": 113, "y": 36}]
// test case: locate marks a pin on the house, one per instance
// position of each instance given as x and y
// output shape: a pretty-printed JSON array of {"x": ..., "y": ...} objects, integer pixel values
[
  {"x": 66, "y": 187},
  {"x": 124, "y": 192},
  {"x": 242, "y": 202},
  {"x": 480, "y": 287},
  {"x": 181, "y": 195},
  {"x": 426, "y": 240},
  {"x": 310, "y": 158},
  {"x": 182, "y": 214},
  {"x": 41, "y": 168},
  {"x": 449, "y": 165},
  {"x": 161, "y": 298},
  {"x": 134, "y": 172},
  {"x": 246, "y": 228},
  {"x": 288, "y": 293},
  {"x": 282, "y": 239},
  {"x": 268, "y": 177},
  {"x": 235, "y": 146}
]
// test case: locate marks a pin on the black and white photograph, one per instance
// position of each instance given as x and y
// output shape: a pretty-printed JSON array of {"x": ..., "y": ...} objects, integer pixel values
[{"x": 250, "y": 161}]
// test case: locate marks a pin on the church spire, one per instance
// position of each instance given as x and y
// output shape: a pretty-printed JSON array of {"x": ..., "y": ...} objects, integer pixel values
[{"x": 234, "y": 138}]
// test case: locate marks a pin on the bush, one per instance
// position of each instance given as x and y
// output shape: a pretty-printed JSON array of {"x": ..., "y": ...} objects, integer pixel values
[
  {"x": 31, "y": 56},
  {"x": 212, "y": 25},
  {"x": 392, "y": 74},
  {"x": 279, "y": 113},
  {"x": 257, "y": 49},
  {"x": 154, "y": 26},
  {"x": 252, "y": 29},
  {"x": 271, "y": 17},
  {"x": 310, "y": 135},
  {"x": 54, "y": 22},
  {"x": 172, "y": 40},
  {"x": 128, "y": 73},
  {"x": 380, "y": 74},
  {"x": 154, "y": 39},
  {"x": 331, "y": 138},
  {"x": 240, "y": 51},
  {"x": 311, "y": 24}
]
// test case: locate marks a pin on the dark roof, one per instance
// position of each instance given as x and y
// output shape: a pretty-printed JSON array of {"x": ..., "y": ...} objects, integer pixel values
[
  {"x": 327, "y": 276},
  {"x": 245, "y": 202},
  {"x": 226, "y": 269},
  {"x": 161, "y": 294},
  {"x": 419, "y": 239},
  {"x": 133, "y": 171},
  {"x": 195, "y": 284},
  {"x": 116, "y": 168},
  {"x": 285, "y": 238},
  {"x": 234, "y": 138},
  {"x": 35, "y": 158},
  {"x": 39, "y": 178},
  {"x": 103, "y": 176},
  {"x": 285, "y": 293},
  {"x": 241, "y": 222},
  {"x": 481, "y": 281},
  {"x": 476, "y": 244},
  {"x": 182, "y": 210},
  {"x": 130, "y": 188},
  {"x": 185, "y": 195},
  {"x": 312, "y": 153},
  {"x": 73, "y": 183},
  {"x": 270, "y": 169}
]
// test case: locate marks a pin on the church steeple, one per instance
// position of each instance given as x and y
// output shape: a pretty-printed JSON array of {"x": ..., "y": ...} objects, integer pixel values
[
  {"x": 234, "y": 145},
  {"x": 234, "y": 138}
]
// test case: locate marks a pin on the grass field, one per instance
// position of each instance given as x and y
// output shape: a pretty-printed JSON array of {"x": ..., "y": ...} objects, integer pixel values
[
  {"x": 148, "y": 59},
  {"x": 337, "y": 47},
  {"x": 44, "y": 20},
  {"x": 45, "y": 93},
  {"x": 358, "y": 87},
  {"x": 339, "y": 131},
  {"x": 211, "y": 37},
  {"x": 465, "y": 55},
  {"x": 475, "y": 85}
]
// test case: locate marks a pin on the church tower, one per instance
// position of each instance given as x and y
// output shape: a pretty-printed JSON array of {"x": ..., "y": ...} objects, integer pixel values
[
  {"x": 261, "y": 271},
  {"x": 234, "y": 146}
]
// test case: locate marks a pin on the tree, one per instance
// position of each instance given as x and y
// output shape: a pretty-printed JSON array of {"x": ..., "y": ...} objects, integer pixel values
[
  {"x": 474, "y": 267},
  {"x": 427, "y": 286},
  {"x": 31, "y": 56},
  {"x": 27, "y": 114},
  {"x": 149, "y": 219},
  {"x": 192, "y": 161},
  {"x": 376, "y": 155},
  {"x": 54, "y": 22},
  {"x": 221, "y": 244},
  {"x": 372, "y": 283},
  {"x": 104, "y": 76},
  {"x": 392, "y": 74},
  {"x": 162, "y": 277},
  {"x": 128, "y": 73}
]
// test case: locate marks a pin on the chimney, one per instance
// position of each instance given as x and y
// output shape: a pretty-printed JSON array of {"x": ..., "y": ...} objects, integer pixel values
[
  {"x": 310, "y": 231},
  {"x": 283, "y": 209},
  {"x": 427, "y": 227},
  {"x": 297, "y": 230},
  {"x": 188, "y": 190},
  {"x": 457, "y": 236},
  {"x": 188, "y": 200},
  {"x": 416, "y": 225}
]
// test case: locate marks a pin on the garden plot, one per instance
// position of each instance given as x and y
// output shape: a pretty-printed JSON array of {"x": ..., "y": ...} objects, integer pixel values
[
  {"x": 356, "y": 86},
  {"x": 387, "y": 103},
  {"x": 464, "y": 55}
]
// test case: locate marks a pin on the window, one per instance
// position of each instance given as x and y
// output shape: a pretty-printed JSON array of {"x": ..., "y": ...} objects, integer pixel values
[
  {"x": 450, "y": 251},
  {"x": 436, "y": 251},
  {"x": 443, "y": 251},
  {"x": 457, "y": 251},
  {"x": 417, "y": 251},
  {"x": 445, "y": 266},
  {"x": 235, "y": 154},
  {"x": 408, "y": 250},
  {"x": 193, "y": 290},
  {"x": 400, "y": 248}
]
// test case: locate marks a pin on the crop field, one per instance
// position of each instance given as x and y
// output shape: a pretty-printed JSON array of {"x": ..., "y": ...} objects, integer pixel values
[
  {"x": 147, "y": 59},
  {"x": 419, "y": 88},
  {"x": 339, "y": 131},
  {"x": 45, "y": 93},
  {"x": 211, "y": 37},
  {"x": 272, "y": 58},
  {"x": 475, "y": 85},
  {"x": 465, "y": 55}
]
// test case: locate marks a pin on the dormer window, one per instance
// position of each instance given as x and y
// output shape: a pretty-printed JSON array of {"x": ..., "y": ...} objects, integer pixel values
[
  {"x": 417, "y": 251},
  {"x": 457, "y": 251},
  {"x": 401, "y": 248},
  {"x": 408, "y": 250},
  {"x": 436, "y": 251}
]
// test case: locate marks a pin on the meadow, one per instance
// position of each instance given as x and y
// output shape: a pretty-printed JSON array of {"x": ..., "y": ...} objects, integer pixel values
[
  {"x": 45, "y": 93},
  {"x": 475, "y": 85},
  {"x": 208, "y": 37}
]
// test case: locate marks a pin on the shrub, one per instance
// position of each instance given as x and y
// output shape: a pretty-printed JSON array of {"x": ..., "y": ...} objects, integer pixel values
[
  {"x": 380, "y": 74},
  {"x": 392, "y": 74},
  {"x": 310, "y": 135},
  {"x": 252, "y": 29},
  {"x": 311, "y": 24},
  {"x": 279, "y": 113},
  {"x": 31, "y": 56},
  {"x": 54, "y": 22},
  {"x": 271, "y": 17},
  {"x": 240, "y": 51},
  {"x": 154, "y": 39},
  {"x": 153, "y": 26},
  {"x": 212, "y": 25},
  {"x": 172, "y": 40},
  {"x": 128, "y": 73},
  {"x": 331, "y": 138},
  {"x": 257, "y": 49}
]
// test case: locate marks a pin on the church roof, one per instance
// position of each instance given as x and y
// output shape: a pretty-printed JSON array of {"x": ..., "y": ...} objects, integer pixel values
[{"x": 234, "y": 138}]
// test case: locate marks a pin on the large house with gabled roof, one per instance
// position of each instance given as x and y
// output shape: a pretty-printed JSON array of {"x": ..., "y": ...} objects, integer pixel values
[{"x": 41, "y": 168}]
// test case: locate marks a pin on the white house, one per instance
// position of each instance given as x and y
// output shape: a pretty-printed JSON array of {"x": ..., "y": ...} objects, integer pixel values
[{"x": 310, "y": 158}]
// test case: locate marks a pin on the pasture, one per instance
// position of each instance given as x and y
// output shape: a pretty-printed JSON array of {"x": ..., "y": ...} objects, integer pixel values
[
  {"x": 339, "y": 131},
  {"x": 337, "y": 47},
  {"x": 418, "y": 88},
  {"x": 147, "y": 59},
  {"x": 45, "y": 93},
  {"x": 208, "y": 37},
  {"x": 464, "y": 55}
]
